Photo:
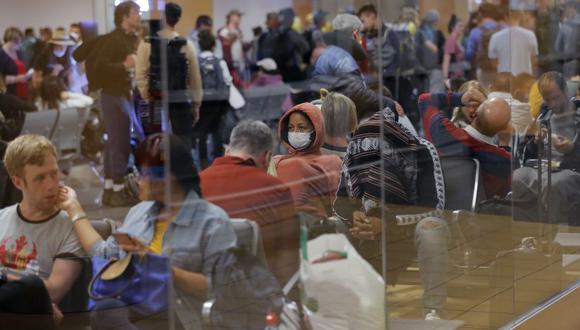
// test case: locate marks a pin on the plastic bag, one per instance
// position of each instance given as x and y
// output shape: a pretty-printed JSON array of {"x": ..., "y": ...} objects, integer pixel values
[{"x": 340, "y": 293}]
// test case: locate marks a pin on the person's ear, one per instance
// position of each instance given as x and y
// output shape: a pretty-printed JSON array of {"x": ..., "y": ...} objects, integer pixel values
[
  {"x": 18, "y": 182},
  {"x": 267, "y": 158}
]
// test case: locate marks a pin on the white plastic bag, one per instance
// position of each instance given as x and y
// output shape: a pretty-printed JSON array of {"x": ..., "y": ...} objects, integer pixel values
[
  {"x": 236, "y": 99},
  {"x": 341, "y": 294}
]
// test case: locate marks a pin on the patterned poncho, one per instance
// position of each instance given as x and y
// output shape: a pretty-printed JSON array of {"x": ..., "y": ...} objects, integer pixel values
[{"x": 410, "y": 173}]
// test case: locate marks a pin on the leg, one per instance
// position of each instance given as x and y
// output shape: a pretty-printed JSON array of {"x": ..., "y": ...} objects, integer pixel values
[
  {"x": 117, "y": 122},
  {"x": 525, "y": 184},
  {"x": 25, "y": 304},
  {"x": 431, "y": 236},
  {"x": 565, "y": 187}
]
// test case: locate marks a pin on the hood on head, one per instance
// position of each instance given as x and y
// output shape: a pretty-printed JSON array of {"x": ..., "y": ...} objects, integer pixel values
[{"x": 315, "y": 116}]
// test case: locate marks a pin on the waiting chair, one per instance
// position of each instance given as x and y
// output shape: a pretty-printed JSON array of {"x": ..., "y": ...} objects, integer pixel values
[
  {"x": 265, "y": 103},
  {"x": 249, "y": 237},
  {"x": 40, "y": 122}
]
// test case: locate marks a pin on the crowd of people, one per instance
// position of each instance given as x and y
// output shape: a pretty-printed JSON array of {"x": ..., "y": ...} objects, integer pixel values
[{"x": 373, "y": 109}]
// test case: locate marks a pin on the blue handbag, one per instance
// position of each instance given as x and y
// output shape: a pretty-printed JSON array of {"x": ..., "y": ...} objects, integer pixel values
[{"x": 141, "y": 283}]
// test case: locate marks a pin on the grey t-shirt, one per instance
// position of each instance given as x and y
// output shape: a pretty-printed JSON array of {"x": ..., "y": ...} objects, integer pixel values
[{"x": 31, "y": 247}]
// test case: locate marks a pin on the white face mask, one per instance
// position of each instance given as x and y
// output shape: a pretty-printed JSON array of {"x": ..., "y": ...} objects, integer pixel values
[
  {"x": 299, "y": 140},
  {"x": 59, "y": 52}
]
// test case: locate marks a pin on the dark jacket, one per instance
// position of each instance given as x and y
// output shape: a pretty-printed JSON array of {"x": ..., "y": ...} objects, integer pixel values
[
  {"x": 12, "y": 109},
  {"x": 112, "y": 55},
  {"x": 8, "y": 68}
]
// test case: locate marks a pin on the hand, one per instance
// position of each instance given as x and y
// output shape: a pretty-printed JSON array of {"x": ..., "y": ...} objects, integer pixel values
[
  {"x": 130, "y": 61},
  {"x": 68, "y": 200},
  {"x": 505, "y": 135},
  {"x": 137, "y": 246},
  {"x": 195, "y": 114},
  {"x": 399, "y": 109},
  {"x": 57, "y": 315},
  {"x": 365, "y": 228},
  {"x": 472, "y": 96},
  {"x": 57, "y": 69},
  {"x": 562, "y": 144}
]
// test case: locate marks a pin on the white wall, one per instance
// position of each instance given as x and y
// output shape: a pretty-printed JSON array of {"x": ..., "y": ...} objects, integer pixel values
[
  {"x": 254, "y": 12},
  {"x": 40, "y": 13}
]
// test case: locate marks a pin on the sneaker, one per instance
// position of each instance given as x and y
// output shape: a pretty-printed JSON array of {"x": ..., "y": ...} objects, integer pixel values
[
  {"x": 106, "y": 197},
  {"x": 432, "y": 315},
  {"x": 121, "y": 199}
]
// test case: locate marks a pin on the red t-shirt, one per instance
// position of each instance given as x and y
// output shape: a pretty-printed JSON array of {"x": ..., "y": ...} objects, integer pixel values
[
  {"x": 21, "y": 88},
  {"x": 245, "y": 191}
]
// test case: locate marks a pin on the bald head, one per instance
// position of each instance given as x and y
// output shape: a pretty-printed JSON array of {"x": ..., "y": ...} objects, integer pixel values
[{"x": 493, "y": 116}]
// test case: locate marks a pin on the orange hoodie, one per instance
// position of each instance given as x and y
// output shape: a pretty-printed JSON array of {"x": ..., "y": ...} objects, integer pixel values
[{"x": 312, "y": 177}]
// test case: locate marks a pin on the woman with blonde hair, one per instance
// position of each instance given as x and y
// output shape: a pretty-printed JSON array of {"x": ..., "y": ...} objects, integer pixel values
[
  {"x": 339, "y": 113},
  {"x": 463, "y": 116}
]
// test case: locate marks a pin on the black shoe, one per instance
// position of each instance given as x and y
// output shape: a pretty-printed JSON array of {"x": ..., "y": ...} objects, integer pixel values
[
  {"x": 121, "y": 199},
  {"x": 106, "y": 197}
]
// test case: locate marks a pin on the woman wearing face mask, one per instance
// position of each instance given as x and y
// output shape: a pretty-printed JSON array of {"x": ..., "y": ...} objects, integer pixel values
[
  {"x": 55, "y": 59},
  {"x": 11, "y": 67},
  {"x": 311, "y": 176}
]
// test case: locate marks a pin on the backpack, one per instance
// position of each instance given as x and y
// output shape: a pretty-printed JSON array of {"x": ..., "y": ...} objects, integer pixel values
[
  {"x": 176, "y": 64},
  {"x": 482, "y": 57},
  {"x": 409, "y": 61},
  {"x": 89, "y": 52},
  {"x": 214, "y": 85},
  {"x": 244, "y": 292}
]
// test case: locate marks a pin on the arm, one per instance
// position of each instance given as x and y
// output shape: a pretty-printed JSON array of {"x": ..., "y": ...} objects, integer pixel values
[
  {"x": 191, "y": 283},
  {"x": 472, "y": 44},
  {"x": 90, "y": 240},
  {"x": 195, "y": 83},
  {"x": 75, "y": 100},
  {"x": 142, "y": 68},
  {"x": 446, "y": 63},
  {"x": 62, "y": 277},
  {"x": 226, "y": 72}
]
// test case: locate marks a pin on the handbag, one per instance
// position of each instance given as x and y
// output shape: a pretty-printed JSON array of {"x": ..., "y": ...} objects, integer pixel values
[{"x": 138, "y": 280}]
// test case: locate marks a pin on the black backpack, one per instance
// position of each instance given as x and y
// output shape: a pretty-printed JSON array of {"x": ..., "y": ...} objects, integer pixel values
[
  {"x": 244, "y": 291},
  {"x": 176, "y": 64},
  {"x": 214, "y": 85}
]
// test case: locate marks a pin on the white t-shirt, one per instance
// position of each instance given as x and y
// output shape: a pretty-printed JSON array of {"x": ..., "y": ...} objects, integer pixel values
[
  {"x": 513, "y": 48},
  {"x": 31, "y": 247}
]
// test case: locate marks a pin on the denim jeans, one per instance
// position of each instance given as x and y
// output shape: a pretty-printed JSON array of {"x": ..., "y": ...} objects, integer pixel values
[
  {"x": 431, "y": 238},
  {"x": 426, "y": 242},
  {"x": 116, "y": 112},
  {"x": 565, "y": 186}
]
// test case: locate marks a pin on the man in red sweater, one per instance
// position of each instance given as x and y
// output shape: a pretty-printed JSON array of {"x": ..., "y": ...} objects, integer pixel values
[{"x": 239, "y": 184}]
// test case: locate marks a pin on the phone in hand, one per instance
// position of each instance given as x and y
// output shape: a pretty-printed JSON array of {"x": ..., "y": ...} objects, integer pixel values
[{"x": 124, "y": 239}]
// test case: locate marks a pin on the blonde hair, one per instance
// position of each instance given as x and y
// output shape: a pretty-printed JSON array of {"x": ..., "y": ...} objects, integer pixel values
[
  {"x": 458, "y": 117},
  {"x": 339, "y": 114},
  {"x": 27, "y": 150}
]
